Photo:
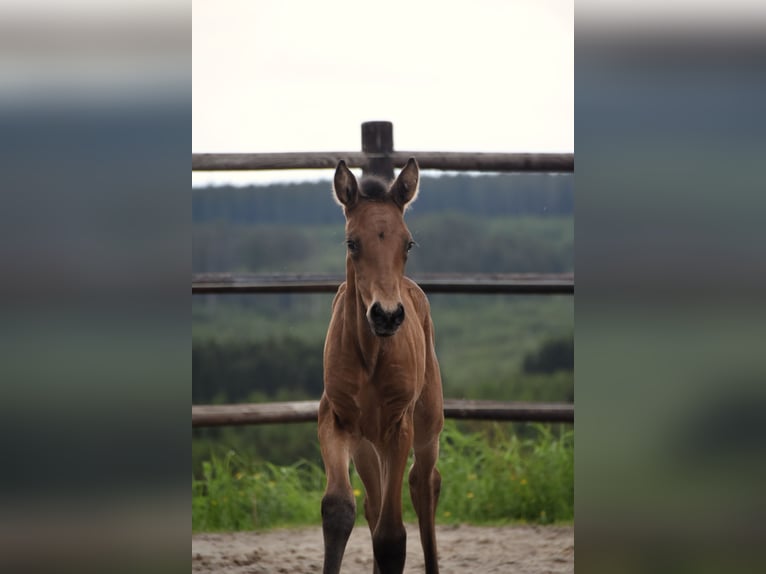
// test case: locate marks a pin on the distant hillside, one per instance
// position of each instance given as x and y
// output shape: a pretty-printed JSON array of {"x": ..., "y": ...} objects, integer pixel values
[{"x": 311, "y": 204}]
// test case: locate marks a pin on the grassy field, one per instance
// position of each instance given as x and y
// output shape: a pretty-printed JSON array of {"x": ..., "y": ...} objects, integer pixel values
[
  {"x": 480, "y": 340},
  {"x": 489, "y": 477}
]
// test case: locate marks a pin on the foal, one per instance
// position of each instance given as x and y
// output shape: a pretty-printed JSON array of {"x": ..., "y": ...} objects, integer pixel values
[{"x": 382, "y": 386}]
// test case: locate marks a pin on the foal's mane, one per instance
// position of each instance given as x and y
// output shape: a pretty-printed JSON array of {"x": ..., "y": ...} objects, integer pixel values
[{"x": 374, "y": 188}]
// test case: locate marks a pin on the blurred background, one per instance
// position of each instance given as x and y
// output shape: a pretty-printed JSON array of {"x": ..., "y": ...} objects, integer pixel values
[
  {"x": 94, "y": 265},
  {"x": 670, "y": 286}
]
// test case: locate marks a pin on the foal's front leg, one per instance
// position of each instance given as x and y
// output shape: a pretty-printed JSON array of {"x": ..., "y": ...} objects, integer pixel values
[
  {"x": 425, "y": 486},
  {"x": 425, "y": 480},
  {"x": 338, "y": 503},
  {"x": 389, "y": 540}
]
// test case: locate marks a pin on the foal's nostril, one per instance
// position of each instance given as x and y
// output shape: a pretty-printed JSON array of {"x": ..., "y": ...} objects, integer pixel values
[
  {"x": 376, "y": 313},
  {"x": 397, "y": 317}
]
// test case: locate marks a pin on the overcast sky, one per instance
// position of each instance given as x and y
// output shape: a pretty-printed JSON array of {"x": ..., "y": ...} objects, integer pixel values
[{"x": 278, "y": 76}]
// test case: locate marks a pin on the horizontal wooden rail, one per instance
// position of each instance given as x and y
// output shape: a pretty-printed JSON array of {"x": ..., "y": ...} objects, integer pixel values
[
  {"x": 531, "y": 284},
  {"x": 457, "y": 161},
  {"x": 306, "y": 411}
]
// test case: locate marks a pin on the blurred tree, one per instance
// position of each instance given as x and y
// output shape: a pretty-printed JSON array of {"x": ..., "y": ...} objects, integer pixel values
[
  {"x": 233, "y": 371},
  {"x": 553, "y": 355}
]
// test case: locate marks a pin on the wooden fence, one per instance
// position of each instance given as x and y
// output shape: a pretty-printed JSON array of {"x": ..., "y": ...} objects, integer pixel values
[
  {"x": 515, "y": 162},
  {"x": 306, "y": 411},
  {"x": 379, "y": 158},
  {"x": 486, "y": 283}
]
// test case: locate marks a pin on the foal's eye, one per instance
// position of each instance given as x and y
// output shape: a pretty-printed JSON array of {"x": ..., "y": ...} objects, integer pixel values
[
  {"x": 352, "y": 245},
  {"x": 410, "y": 245}
]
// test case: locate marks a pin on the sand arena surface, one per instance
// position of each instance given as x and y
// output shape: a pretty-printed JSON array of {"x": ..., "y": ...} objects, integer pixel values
[{"x": 473, "y": 549}]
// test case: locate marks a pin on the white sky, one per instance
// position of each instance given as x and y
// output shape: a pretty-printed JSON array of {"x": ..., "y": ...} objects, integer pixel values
[{"x": 281, "y": 76}]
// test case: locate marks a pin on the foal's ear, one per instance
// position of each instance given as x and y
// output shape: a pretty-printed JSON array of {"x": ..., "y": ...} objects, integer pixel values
[
  {"x": 345, "y": 186},
  {"x": 405, "y": 188}
]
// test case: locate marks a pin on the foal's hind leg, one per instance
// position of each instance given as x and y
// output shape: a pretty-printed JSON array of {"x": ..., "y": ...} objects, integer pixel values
[
  {"x": 425, "y": 485},
  {"x": 338, "y": 504},
  {"x": 425, "y": 480},
  {"x": 367, "y": 466}
]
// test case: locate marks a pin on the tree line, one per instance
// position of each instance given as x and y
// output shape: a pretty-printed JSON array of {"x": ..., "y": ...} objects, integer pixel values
[{"x": 310, "y": 203}]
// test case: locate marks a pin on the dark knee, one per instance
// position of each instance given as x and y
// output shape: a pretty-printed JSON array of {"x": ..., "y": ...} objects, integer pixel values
[
  {"x": 390, "y": 550},
  {"x": 338, "y": 514}
]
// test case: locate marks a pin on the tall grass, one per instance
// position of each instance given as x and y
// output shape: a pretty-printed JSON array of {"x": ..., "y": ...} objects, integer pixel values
[
  {"x": 488, "y": 477},
  {"x": 235, "y": 494},
  {"x": 497, "y": 477}
]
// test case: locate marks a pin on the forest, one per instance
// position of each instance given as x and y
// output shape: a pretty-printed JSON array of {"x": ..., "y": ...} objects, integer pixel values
[{"x": 269, "y": 347}]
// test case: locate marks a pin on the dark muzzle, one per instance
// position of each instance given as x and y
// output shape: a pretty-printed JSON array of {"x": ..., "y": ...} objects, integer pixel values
[{"x": 385, "y": 323}]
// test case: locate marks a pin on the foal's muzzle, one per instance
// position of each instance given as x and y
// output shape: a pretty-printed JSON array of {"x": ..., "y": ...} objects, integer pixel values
[{"x": 385, "y": 323}]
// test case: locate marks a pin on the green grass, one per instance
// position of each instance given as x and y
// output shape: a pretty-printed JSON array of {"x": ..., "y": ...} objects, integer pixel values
[
  {"x": 489, "y": 477},
  {"x": 483, "y": 339}
]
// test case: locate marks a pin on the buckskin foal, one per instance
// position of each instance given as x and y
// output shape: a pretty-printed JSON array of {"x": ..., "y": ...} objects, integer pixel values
[{"x": 382, "y": 386}]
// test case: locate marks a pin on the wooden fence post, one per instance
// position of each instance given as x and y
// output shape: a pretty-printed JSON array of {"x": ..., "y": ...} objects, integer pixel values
[{"x": 378, "y": 141}]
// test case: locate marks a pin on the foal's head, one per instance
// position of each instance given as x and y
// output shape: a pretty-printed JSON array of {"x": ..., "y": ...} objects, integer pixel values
[{"x": 378, "y": 240}]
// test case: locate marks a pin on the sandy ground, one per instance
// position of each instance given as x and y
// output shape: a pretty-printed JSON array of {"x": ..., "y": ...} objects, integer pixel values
[{"x": 474, "y": 549}]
